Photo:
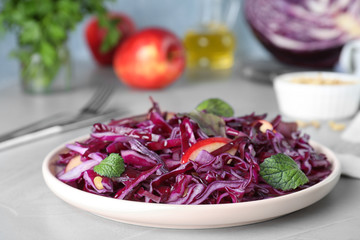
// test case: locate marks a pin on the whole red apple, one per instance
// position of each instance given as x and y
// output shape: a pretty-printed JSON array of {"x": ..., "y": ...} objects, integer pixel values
[
  {"x": 95, "y": 36},
  {"x": 152, "y": 58}
]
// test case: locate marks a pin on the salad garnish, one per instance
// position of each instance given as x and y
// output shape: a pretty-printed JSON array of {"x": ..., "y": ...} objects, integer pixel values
[
  {"x": 282, "y": 172},
  {"x": 209, "y": 123},
  {"x": 111, "y": 166},
  {"x": 216, "y": 106}
]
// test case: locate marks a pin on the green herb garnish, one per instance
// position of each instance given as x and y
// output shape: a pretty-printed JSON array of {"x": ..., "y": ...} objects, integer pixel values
[
  {"x": 216, "y": 106},
  {"x": 282, "y": 172},
  {"x": 208, "y": 115},
  {"x": 111, "y": 166},
  {"x": 209, "y": 123}
]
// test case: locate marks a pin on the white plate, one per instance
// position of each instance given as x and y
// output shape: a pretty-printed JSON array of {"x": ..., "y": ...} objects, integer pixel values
[{"x": 189, "y": 216}]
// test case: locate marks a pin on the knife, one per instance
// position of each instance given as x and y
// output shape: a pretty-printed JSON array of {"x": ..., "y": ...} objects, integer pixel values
[{"x": 55, "y": 129}]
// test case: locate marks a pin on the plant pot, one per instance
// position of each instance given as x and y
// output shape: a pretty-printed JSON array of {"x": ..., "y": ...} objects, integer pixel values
[{"x": 39, "y": 78}]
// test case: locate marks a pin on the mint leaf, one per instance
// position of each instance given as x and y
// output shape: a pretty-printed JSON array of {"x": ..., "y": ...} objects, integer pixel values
[
  {"x": 209, "y": 123},
  {"x": 112, "y": 166},
  {"x": 216, "y": 106},
  {"x": 281, "y": 172}
]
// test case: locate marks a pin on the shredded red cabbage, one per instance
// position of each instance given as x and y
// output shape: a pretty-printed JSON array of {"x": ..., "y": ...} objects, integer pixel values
[{"x": 152, "y": 146}]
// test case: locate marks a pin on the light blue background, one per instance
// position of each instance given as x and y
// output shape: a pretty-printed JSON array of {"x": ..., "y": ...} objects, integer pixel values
[{"x": 175, "y": 15}]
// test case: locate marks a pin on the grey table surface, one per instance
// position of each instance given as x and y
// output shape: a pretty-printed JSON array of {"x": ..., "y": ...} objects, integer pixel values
[{"x": 29, "y": 210}]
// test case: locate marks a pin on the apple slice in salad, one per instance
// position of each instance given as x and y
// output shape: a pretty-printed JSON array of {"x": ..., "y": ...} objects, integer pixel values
[{"x": 209, "y": 145}]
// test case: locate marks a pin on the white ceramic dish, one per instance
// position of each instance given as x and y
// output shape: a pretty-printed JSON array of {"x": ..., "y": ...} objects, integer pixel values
[
  {"x": 188, "y": 216},
  {"x": 317, "y": 102}
]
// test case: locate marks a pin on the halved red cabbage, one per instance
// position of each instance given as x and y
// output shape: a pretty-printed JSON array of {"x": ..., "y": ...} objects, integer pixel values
[{"x": 307, "y": 33}]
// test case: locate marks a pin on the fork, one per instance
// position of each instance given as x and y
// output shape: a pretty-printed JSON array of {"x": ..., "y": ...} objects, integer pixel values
[{"x": 91, "y": 108}]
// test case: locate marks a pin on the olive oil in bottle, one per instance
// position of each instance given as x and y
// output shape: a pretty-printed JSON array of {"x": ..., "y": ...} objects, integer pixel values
[{"x": 211, "y": 47}]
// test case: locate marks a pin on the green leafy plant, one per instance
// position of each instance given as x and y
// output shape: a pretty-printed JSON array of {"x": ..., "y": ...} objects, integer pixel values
[{"x": 42, "y": 29}]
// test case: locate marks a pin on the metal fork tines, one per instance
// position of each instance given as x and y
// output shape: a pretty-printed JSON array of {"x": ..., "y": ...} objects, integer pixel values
[
  {"x": 97, "y": 100},
  {"x": 91, "y": 108}
]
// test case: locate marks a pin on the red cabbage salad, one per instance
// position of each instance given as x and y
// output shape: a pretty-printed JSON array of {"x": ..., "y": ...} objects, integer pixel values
[{"x": 206, "y": 156}]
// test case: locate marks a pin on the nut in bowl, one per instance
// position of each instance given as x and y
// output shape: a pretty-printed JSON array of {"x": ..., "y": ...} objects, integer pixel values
[{"x": 317, "y": 95}]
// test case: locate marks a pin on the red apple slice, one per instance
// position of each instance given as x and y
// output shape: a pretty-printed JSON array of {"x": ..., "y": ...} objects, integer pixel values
[
  {"x": 75, "y": 161},
  {"x": 209, "y": 144}
]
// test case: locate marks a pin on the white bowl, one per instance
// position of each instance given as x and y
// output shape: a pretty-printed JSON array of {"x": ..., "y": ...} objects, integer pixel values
[
  {"x": 189, "y": 216},
  {"x": 307, "y": 101}
]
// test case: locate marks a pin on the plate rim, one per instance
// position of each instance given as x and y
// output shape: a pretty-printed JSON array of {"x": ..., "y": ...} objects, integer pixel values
[{"x": 52, "y": 182}]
